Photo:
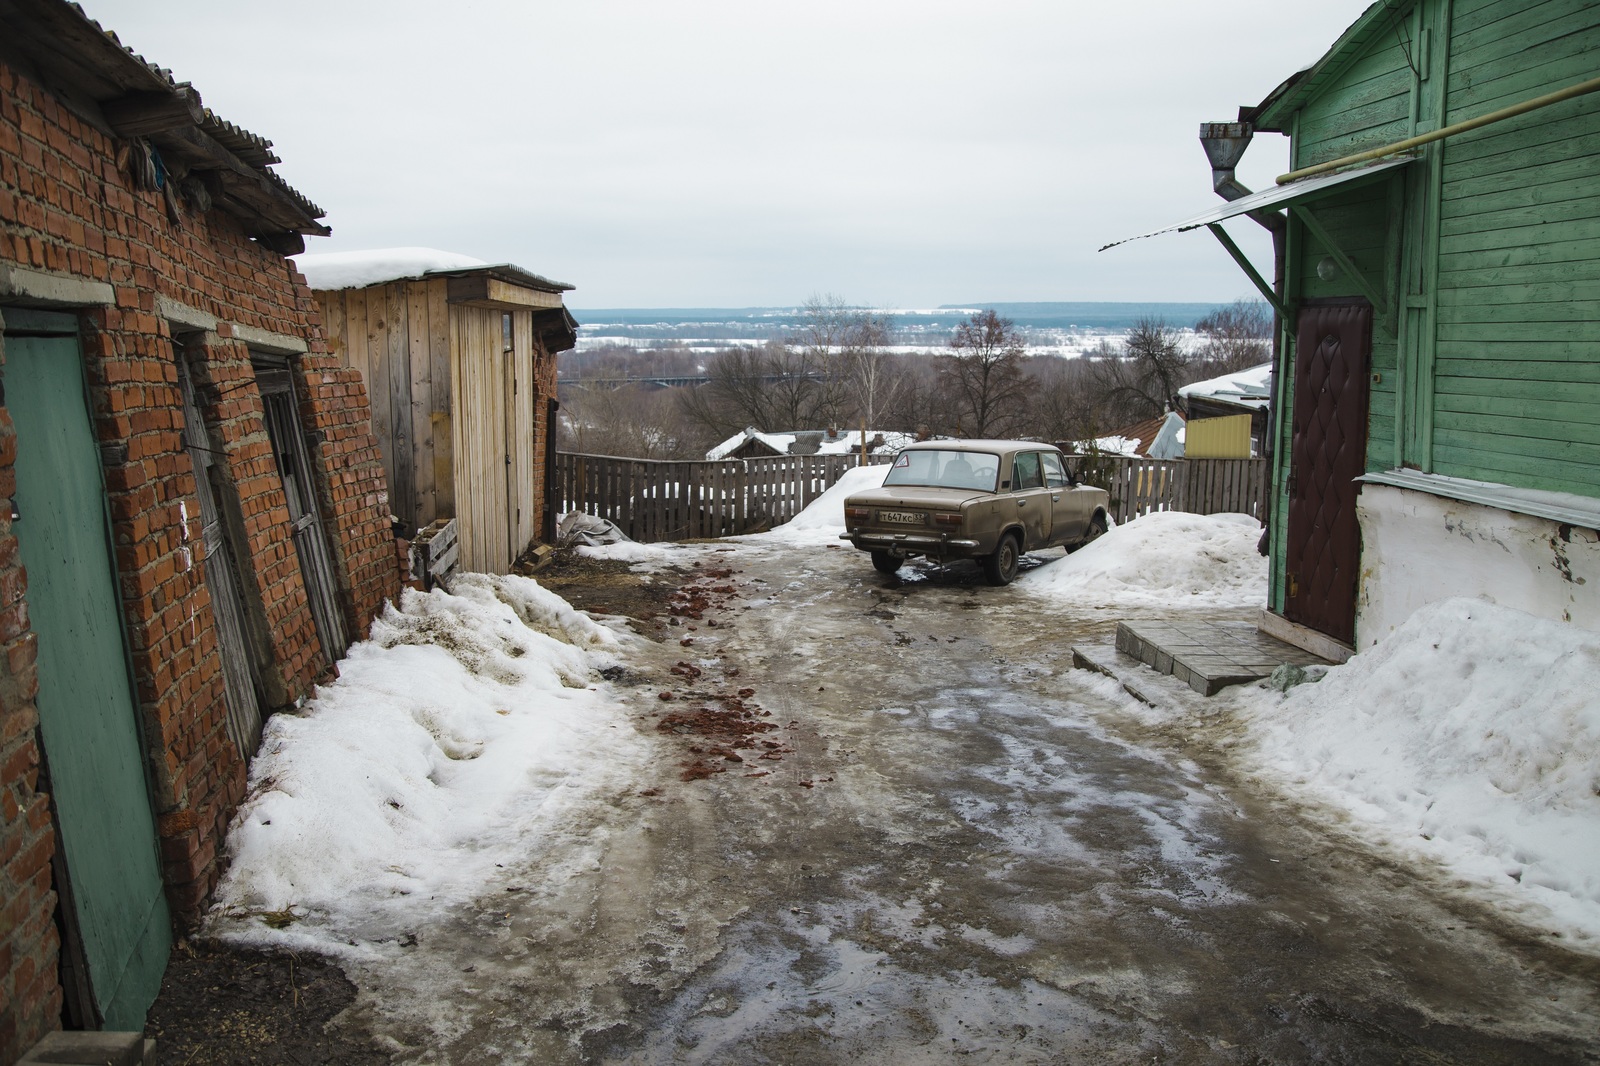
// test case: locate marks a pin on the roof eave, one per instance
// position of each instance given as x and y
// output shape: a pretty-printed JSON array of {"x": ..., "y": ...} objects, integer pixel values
[{"x": 1272, "y": 114}]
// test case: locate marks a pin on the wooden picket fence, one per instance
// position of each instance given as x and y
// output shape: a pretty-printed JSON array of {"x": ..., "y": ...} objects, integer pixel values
[
  {"x": 657, "y": 500},
  {"x": 1198, "y": 486}
]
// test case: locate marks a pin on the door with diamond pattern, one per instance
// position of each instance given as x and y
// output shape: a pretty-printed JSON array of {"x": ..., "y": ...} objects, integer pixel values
[{"x": 1328, "y": 453}]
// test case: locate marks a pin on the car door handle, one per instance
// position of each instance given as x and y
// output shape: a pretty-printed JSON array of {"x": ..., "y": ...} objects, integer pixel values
[
  {"x": 1056, "y": 498},
  {"x": 1022, "y": 503}
]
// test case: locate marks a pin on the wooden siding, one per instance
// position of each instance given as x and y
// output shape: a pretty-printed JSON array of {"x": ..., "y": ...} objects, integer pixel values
[
  {"x": 1371, "y": 108},
  {"x": 1226, "y": 437},
  {"x": 456, "y": 416},
  {"x": 396, "y": 336},
  {"x": 1516, "y": 384},
  {"x": 1357, "y": 220}
]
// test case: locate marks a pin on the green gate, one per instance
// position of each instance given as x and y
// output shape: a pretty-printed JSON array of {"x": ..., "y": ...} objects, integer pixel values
[{"x": 115, "y": 912}]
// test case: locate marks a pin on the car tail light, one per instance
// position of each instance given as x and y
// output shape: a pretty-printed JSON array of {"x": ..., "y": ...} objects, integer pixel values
[
  {"x": 856, "y": 514},
  {"x": 947, "y": 519}
]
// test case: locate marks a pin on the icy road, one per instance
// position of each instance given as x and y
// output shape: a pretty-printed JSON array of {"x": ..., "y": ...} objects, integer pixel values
[{"x": 956, "y": 849}]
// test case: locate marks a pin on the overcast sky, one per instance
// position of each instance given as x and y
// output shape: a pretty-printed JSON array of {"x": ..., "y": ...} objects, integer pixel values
[{"x": 708, "y": 153}]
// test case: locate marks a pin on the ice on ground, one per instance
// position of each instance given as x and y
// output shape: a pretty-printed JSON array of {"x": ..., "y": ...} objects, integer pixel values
[
  {"x": 1471, "y": 736},
  {"x": 355, "y": 270},
  {"x": 1163, "y": 559},
  {"x": 823, "y": 520},
  {"x": 457, "y": 738}
]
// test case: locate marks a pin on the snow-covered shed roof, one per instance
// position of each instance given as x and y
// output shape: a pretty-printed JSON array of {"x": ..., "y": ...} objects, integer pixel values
[
  {"x": 1251, "y": 388},
  {"x": 843, "y": 442},
  {"x": 379, "y": 266}
]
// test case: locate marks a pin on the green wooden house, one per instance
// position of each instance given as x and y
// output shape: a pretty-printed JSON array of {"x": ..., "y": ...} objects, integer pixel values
[{"x": 1437, "y": 283}]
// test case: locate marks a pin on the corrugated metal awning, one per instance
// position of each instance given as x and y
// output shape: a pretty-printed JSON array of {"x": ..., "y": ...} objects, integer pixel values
[{"x": 1278, "y": 196}]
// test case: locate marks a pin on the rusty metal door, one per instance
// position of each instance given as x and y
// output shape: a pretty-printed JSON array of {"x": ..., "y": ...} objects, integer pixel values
[{"x": 1327, "y": 455}]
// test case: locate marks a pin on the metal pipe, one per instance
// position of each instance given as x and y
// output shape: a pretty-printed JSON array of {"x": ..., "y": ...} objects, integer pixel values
[{"x": 1581, "y": 89}]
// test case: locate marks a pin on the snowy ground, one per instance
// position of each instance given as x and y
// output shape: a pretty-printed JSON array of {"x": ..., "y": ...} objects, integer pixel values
[
  {"x": 474, "y": 748},
  {"x": 459, "y": 738}
]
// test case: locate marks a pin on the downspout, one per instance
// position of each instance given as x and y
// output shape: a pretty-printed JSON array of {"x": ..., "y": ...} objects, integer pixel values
[{"x": 1225, "y": 144}]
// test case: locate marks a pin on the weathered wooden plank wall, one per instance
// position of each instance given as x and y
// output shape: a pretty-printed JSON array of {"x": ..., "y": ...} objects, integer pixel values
[
  {"x": 656, "y": 500},
  {"x": 1199, "y": 486}
]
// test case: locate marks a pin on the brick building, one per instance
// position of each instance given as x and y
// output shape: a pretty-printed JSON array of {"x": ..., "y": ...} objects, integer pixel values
[{"x": 194, "y": 520}]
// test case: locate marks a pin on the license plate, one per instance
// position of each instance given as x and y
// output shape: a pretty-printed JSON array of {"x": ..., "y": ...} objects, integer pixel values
[{"x": 907, "y": 517}]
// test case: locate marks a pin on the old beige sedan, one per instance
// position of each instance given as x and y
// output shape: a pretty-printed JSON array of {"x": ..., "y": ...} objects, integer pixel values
[{"x": 989, "y": 500}]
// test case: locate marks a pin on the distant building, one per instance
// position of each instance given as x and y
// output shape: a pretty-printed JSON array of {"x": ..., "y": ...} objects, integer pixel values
[{"x": 752, "y": 443}]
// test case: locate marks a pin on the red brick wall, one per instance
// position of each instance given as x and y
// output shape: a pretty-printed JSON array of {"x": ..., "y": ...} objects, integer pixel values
[
  {"x": 66, "y": 208},
  {"x": 29, "y": 989}
]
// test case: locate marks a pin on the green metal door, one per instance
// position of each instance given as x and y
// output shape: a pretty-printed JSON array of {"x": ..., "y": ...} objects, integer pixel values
[{"x": 115, "y": 911}]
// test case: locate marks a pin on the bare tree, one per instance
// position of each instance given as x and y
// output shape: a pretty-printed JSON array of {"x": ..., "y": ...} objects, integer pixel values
[
  {"x": 632, "y": 420},
  {"x": 982, "y": 378},
  {"x": 852, "y": 339},
  {"x": 1141, "y": 380},
  {"x": 775, "y": 387},
  {"x": 1235, "y": 337}
]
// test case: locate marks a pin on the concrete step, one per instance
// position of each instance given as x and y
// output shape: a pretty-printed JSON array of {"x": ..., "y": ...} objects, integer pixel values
[
  {"x": 91, "y": 1049},
  {"x": 1208, "y": 656}
]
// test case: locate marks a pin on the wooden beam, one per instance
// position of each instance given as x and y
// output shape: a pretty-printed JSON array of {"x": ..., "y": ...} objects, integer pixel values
[
  {"x": 140, "y": 114},
  {"x": 1248, "y": 267},
  {"x": 480, "y": 290}
]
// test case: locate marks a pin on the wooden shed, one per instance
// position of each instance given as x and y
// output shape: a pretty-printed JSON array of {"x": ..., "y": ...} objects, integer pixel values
[{"x": 459, "y": 358}]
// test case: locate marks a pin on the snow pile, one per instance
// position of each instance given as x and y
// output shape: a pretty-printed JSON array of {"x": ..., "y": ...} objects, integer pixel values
[
  {"x": 823, "y": 520},
  {"x": 457, "y": 738},
  {"x": 1470, "y": 735},
  {"x": 1163, "y": 559},
  {"x": 355, "y": 270}
]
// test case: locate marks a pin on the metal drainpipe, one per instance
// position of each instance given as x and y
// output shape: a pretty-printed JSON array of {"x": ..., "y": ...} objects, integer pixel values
[{"x": 1225, "y": 144}]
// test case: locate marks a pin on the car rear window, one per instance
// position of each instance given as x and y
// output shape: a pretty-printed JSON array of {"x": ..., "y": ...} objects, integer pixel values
[{"x": 945, "y": 469}]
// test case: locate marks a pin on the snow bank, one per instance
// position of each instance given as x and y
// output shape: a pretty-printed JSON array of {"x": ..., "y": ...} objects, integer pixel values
[
  {"x": 1164, "y": 559},
  {"x": 354, "y": 270},
  {"x": 823, "y": 520},
  {"x": 1470, "y": 735},
  {"x": 455, "y": 739}
]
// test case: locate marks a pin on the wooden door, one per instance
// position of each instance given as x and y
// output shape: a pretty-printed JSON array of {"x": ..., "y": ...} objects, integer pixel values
[
  {"x": 108, "y": 867},
  {"x": 1327, "y": 454},
  {"x": 276, "y": 382},
  {"x": 219, "y": 562}
]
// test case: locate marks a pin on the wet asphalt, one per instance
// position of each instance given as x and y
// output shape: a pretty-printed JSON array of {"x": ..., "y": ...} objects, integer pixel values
[{"x": 960, "y": 850}]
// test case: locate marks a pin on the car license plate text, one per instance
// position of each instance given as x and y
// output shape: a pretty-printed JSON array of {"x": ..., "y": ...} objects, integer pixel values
[{"x": 907, "y": 517}]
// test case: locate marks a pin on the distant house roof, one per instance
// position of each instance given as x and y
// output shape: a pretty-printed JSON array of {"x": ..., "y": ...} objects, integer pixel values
[
  {"x": 1154, "y": 438},
  {"x": 752, "y": 442},
  {"x": 379, "y": 266},
  {"x": 1249, "y": 389},
  {"x": 141, "y": 102}
]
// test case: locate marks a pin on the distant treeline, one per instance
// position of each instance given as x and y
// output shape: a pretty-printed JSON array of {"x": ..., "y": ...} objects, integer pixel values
[{"x": 671, "y": 323}]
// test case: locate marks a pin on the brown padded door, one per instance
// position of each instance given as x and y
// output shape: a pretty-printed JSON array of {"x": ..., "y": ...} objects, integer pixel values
[{"x": 1328, "y": 454}]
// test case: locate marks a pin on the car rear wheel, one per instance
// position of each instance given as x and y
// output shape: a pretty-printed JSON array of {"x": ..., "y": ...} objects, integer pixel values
[
  {"x": 885, "y": 562},
  {"x": 1097, "y": 528},
  {"x": 1001, "y": 565}
]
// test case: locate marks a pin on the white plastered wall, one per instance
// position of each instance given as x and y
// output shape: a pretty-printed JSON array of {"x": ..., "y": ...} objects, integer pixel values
[{"x": 1417, "y": 548}]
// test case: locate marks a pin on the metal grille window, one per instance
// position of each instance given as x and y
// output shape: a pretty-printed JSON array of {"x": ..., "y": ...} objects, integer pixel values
[
  {"x": 276, "y": 382},
  {"x": 220, "y": 563}
]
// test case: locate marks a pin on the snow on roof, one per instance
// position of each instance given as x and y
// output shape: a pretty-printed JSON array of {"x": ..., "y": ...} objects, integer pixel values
[
  {"x": 357, "y": 270},
  {"x": 846, "y": 442},
  {"x": 1248, "y": 388}
]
